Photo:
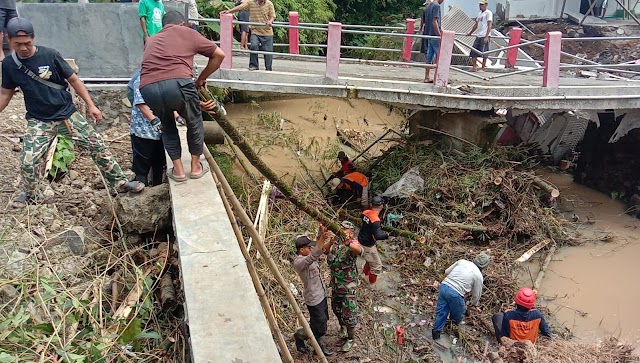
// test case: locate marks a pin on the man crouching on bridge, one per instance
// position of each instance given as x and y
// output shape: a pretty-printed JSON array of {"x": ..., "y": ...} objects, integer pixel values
[
  {"x": 166, "y": 84},
  {"x": 42, "y": 75}
]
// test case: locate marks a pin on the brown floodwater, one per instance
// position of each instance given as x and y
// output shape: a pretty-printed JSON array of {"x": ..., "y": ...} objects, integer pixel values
[
  {"x": 591, "y": 288},
  {"x": 309, "y": 130}
]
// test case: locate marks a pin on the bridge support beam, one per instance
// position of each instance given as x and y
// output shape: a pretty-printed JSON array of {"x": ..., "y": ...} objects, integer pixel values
[
  {"x": 294, "y": 33},
  {"x": 408, "y": 41},
  {"x": 443, "y": 60},
  {"x": 512, "y": 54},
  {"x": 552, "y": 48},
  {"x": 334, "y": 39},
  {"x": 226, "y": 40}
]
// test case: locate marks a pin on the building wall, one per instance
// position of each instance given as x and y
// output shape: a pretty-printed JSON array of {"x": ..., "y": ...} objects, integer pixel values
[{"x": 104, "y": 38}]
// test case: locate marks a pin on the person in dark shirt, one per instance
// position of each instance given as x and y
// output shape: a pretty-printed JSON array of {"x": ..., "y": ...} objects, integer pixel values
[
  {"x": 430, "y": 25},
  {"x": 43, "y": 76},
  {"x": 166, "y": 85},
  {"x": 7, "y": 12},
  {"x": 522, "y": 323},
  {"x": 371, "y": 232},
  {"x": 346, "y": 166}
]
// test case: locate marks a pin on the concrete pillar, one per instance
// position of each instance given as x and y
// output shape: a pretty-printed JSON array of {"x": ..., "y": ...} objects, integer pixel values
[
  {"x": 334, "y": 39},
  {"x": 294, "y": 33},
  {"x": 408, "y": 41},
  {"x": 512, "y": 54},
  {"x": 443, "y": 60},
  {"x": 226, "y": 40},
  {"x": 552, "y": 48}
]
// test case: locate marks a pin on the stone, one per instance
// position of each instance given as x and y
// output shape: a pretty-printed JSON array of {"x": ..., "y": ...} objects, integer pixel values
[
  {"x": 55, "y": 225},
  {"x": 91, "y": 211},
  {"x": 17, "y": 147},
  {"x": 48, "y": 193},
  {"x": 126, "y": 102},
  {"x": 73, "y": 175},
  {"x": 71, "y": 240},
  {"x": 588, "y": 74},
  {"x": 148, "y": 211}
]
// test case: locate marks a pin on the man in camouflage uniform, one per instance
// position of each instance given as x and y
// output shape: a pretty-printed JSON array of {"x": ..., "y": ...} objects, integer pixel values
[
  {"x": 344, "y": 282},
  {"x": 42, "y": 75}
]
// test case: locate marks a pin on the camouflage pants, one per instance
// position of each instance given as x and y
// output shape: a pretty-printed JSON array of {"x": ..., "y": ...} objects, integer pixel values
[
  {"x": 39, "y": 136},
  {"x": 345, "y": 309}
]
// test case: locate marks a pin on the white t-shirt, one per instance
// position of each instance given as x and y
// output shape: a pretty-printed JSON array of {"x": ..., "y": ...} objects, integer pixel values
[{"x": 484, "y": 17}]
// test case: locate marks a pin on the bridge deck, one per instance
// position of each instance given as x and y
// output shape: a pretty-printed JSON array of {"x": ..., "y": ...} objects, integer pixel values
[
  {"x": 226, "y": 321},
  {"x": 396, "y": 84}
]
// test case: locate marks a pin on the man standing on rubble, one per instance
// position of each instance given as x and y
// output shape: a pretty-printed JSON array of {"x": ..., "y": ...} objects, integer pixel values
[
  {"x": 42, "y": 75},
  {"x": 315, "y": 297},
  {"x": 371, "y": 232},
  {"x": 341, "y": 259},
  {"x": 431, "y": 25},
  {"x": 166, "y": 84},
  {"x": 463, "y": 277},
  {"x": 483, "y": 24}
]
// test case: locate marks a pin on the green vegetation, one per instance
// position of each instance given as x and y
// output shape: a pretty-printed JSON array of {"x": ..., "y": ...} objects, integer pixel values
[{"x": 62, "y": 157}]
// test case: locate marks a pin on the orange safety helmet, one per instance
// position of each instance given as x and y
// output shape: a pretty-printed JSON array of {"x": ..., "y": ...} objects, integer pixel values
[{"x": 526, "y": 297}]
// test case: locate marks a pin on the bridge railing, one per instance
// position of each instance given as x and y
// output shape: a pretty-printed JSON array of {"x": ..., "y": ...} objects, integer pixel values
[{"x": 550, "y": 66}]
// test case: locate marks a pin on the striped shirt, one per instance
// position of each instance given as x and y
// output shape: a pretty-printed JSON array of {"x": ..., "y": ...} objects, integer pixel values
[{"x": 260, "y": 14}]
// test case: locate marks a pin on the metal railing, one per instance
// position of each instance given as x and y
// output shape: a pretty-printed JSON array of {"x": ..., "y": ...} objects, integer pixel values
[{"x": 408, "y": 36}]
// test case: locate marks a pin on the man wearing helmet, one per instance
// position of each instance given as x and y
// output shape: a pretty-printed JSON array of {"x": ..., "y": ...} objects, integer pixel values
[{"x": 522, "y": 323}]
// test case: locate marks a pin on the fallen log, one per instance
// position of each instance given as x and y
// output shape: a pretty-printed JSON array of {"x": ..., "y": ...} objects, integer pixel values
[
  {"x": 546, "y": 186},
  {"x": 246, "y": 221},
  {"x": 466, "y": 227},
  {"x": 545, "y": 265},
  {"x": 527, "y": 255}
]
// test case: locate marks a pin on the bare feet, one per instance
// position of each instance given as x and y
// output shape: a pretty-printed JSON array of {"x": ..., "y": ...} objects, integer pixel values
[{"x": 428, "y": 80}]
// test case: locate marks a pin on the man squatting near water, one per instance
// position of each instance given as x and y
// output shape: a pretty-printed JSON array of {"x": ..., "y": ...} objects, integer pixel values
[
  {"x": 44, "y": 76},
  {"x": 166, "y": 85}
]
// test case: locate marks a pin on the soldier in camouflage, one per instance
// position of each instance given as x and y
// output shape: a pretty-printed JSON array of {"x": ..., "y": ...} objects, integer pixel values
[
  {"x": 341, "y": 259},
  {"x": 44, "y": 76}
]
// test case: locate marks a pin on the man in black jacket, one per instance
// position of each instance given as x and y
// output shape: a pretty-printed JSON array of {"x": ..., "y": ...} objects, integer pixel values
[{"x": 371, "y": 232}]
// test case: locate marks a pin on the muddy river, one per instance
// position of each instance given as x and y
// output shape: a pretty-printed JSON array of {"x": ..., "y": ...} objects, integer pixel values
[{"x": 590, "y": 288}]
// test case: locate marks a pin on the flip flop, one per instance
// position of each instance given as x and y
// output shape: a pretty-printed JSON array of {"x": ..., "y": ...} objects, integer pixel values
[
  {"x": 175, "y": 178},
  {"x": 132, "y": 186},
  {"x": 205, "y": 170}
]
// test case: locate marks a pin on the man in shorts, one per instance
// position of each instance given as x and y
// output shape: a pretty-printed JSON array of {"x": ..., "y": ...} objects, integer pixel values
[
  {"x": 431, "y": 25},
  {"x": 243, "y": 15},
  {"x": 482, "y": 27},
  {"x": 7, "y": 12}
]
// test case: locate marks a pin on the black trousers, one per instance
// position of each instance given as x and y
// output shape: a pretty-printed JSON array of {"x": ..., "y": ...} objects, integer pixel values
[
  {"x": 496, "y": 319},
  {"x": 318, "y": 318},
  {"x": 148, "y": 155},
  {"x": 179, "y": 94}
]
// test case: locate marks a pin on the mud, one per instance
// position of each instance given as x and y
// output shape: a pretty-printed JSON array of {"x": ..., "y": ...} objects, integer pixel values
[{"x": 591, "y": 288}]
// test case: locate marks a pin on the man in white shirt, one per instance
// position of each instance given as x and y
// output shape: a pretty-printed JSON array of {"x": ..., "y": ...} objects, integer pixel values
[
  {"x": 463, "y": 277},
  {"x": 482, "y": 27}
]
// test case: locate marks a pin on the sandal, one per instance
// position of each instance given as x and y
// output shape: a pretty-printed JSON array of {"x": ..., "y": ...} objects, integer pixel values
[
  {"x": 21, "y": 201},
  {"x": 205, "y": 170},
  {"x": 175, "y": 178},
  {"x": 132, "y": 186}
]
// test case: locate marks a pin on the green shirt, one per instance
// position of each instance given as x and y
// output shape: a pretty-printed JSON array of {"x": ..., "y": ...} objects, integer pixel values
[{"x": 152, "y": 11}]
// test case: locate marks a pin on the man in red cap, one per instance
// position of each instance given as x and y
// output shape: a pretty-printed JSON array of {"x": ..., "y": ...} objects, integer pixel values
[{"x": 522, "y": 323}]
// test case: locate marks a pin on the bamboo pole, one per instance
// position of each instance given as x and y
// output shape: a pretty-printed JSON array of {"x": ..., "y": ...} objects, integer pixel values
[
  {"x": 545, "y": 265},
  {"x": 400, "y": 232},
  {"x": 257, "y": 284},
  {"x": 255, "y": 160},
  {"x": 244, "y": 219},
  {"x": 527, "y": 255},
  {"x": 546, "y": 186},
  {"x": 371, "y": 145},
  {"x": 240, "y": 161}
]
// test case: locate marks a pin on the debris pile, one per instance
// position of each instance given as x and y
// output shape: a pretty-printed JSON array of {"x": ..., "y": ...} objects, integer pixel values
[{"x": 557, "y": 351}]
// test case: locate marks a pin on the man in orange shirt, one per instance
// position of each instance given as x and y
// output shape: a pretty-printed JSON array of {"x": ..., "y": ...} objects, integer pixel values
[
  {"x": 522, "y": 323},
  {"x": 371, "y": 232},
  {"x": 352, "y": 186}
]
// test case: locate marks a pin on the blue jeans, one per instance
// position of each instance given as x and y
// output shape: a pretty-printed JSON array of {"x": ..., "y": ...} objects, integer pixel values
[
  {"x": 263, "y": 43},
  {"x": 433, "y": 45},
  {"x": 450, "y": 303}
]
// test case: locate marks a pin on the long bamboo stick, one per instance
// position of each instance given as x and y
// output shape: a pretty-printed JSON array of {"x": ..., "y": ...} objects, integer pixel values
[
  {"x": 273, "y": 324},
  {"x": 246, "y": 221},
  {"x": 255, "y": 160},
  {"x": 545, "y": 265}
]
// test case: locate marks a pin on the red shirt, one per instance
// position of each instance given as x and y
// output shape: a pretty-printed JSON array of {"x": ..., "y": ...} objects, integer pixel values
[
  {"x": 346, "y": 166},
  {"x": 169, "y": 54}
]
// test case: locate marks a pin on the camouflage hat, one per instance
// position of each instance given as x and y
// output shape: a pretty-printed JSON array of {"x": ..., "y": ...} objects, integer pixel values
[{"x": 347, "y": 225}]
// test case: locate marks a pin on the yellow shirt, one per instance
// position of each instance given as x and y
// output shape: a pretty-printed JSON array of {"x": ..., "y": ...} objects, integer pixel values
[{"x": 259, "y": 14}]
